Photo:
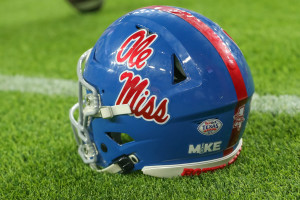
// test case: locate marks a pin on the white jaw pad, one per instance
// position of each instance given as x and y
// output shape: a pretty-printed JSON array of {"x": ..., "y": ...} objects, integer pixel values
[{"x": 168, "y": 171}]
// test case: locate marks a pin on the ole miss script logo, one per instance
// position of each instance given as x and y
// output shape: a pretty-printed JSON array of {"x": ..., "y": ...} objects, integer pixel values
[{"x": 135, "y": 51}]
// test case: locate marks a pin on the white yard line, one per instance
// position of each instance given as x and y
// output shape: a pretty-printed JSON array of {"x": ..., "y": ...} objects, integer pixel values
[
  {"x": 38, "y": 85},
  {"x": 289, "y": 104}
]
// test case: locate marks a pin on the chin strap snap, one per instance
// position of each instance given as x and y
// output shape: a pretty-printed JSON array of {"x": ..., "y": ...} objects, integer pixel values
[{"x": 123, "y": 164}]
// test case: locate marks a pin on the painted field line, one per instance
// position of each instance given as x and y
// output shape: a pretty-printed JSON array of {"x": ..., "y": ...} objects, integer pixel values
[
  {"x": 289, "y": 104},
  {"x": 38, "y": 85}
]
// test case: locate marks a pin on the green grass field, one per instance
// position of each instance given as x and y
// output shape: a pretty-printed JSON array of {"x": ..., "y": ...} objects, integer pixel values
[{"x": 38, "y": 154}]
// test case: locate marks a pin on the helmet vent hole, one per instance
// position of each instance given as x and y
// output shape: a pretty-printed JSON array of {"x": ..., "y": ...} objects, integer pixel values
[
  {"x": 178, "y": 72},
  {"x": 120, "y": 138},
  {"x": 139, "y": 27}
]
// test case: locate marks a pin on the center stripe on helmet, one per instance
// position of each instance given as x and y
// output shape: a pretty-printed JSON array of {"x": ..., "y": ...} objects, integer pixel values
[{"x": 217, "y": 42}]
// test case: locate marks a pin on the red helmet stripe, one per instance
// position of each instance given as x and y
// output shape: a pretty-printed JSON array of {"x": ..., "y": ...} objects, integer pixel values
[{"x": 217, "y": 42}]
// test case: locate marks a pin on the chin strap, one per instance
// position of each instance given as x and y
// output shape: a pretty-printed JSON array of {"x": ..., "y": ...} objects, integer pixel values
[
  {"x": 110, "y": 111},
  {"x": 93, "y": 108},
  {"x": 123, "y": 164}
]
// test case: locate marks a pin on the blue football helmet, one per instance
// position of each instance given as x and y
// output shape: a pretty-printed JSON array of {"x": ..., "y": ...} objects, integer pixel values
[{"x": 164, "y": 90}]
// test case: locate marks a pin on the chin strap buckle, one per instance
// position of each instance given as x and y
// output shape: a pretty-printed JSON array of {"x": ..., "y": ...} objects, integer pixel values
[
  {"x": 126, "y": 163},
  {"x": 123, "y": 164}
]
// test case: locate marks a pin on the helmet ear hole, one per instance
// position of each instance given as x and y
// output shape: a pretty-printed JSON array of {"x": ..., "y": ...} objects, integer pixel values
[
  {"x": 103, "y": 147},
  {"x": 178, "y": 72},
  {"x": 120, "y": 138}
]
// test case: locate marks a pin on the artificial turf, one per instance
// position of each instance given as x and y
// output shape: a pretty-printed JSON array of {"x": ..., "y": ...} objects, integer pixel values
[{"x": 38, "y": 156}]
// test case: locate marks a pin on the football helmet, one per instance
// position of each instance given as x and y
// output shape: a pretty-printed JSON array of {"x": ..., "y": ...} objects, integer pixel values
[{"x": 164, "y": 90}]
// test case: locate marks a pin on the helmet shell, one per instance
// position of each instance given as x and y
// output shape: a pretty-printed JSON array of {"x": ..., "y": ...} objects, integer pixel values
[{"x": 196, "y": 116}]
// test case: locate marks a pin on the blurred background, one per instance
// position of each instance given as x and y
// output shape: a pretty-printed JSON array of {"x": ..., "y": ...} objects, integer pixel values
[{"x": 45, "y": 38}]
